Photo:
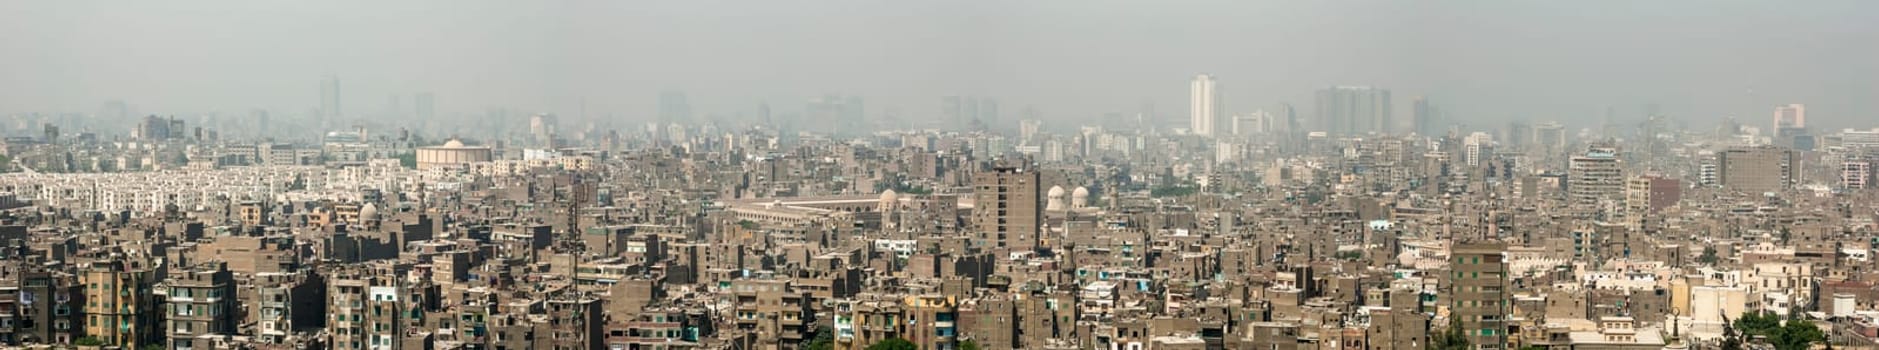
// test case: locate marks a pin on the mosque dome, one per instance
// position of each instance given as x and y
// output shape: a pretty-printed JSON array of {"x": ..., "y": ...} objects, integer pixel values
[
  {"x": 1055, "y": 201},
  {"x": 369, "y": 212}
]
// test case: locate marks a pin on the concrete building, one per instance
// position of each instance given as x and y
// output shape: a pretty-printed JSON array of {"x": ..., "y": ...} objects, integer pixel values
[
  {"x": 1008, "y": 209},
  {"x": 201, "y": 302},
  {"x": 1478, "y": 147},
  {"x": 120, "y": 309},
  {"x": 1757, "y": 169},
  {"x": 1479, "y": 294},
  {"x": 1790, "y": 116},
  {"x": 285, "y": 304},
  {"x": 38, "y": 305},
  {"x": 1354, "y": 110},
  {"x": 452, "y": 153},
  {"x": 1651, "y": 193},
  {"x": 1204, "y": 105},
  {"x": 329, "y": 98},
  {"x": 1595, "y": 176}
]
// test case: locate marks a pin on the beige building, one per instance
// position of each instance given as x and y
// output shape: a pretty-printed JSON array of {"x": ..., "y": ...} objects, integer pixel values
[
  {"x": 452, "y": 153},
  {"x": 1758, "y": 169},
  {"x": 1595, "y": 176},
  {"x": 119, "y": 308},
  {"x": 1479, "y": 294}
]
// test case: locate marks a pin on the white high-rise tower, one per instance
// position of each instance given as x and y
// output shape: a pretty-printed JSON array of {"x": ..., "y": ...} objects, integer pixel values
[{"x": 1204, "y": 105}]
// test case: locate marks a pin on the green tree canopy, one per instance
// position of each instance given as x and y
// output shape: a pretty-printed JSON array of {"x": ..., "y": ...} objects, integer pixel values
[
  {"x": 1798, "y": 335},
  {"x": 407, "y": 160},
  {"x": 1455, "y": 338},
  {"x": 88, "y": 341},
  {"x": 1171, "y": 191},
  {"x": 968, "y": 344},
  {"x": 894, "y": 344},
  {"x": 1792, "y": 335},
  {"x": 824, "y": 340}
]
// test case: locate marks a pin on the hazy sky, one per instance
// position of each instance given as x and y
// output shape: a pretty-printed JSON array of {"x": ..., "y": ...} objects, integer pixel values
[{"x": 1482, "y": 60}]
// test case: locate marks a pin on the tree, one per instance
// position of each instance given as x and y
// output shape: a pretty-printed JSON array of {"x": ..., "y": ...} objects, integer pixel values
[
  {"x": 824, "y": 340},
  {"x": 968, "y": 344},
  {"x": 1709, "y": 256},
  {"x": 408, "y": 160},
  {"x": 1730, "y": 339},
  {"x": 1792, "y": 335},
  {"x": 1171, "y": 191},
  {"x": 1754, "y": 323},
  {"x": 1455, "y": 338},
  {"x": 894, "y": 344},
  {"x": 1352, "y": 255},
  {"x": 1797, "y": 335},
  {"x": 88, "y": 341}
]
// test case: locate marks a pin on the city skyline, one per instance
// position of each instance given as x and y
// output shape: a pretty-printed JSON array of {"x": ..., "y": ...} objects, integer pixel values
[
  {"x": 961, "y": 175},
  {"x": 537, "y": 68}
]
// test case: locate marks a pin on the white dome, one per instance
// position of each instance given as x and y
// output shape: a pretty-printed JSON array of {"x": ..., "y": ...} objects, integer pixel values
[
  {"x": 453, "y": 143},
  {"x": 1055, "y": 200},
  {"x": 1080, "y": 192},
  {"x": 369, "y": 212},
  {"x": 888, "y": 195},
  {"x": 1080, "y": 197}
]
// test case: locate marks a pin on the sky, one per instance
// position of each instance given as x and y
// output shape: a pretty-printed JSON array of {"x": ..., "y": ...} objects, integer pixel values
[{"x": 1485, "y": 61}]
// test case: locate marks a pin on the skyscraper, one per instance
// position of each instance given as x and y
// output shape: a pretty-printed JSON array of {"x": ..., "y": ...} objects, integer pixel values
[
  {"x": 1203, "y": 106},
  {"x": 1424, "y": 117},
  {"x": 1550, "y": 137},
  {"x": 329, "y": 97},
  {"x": 964, "y": 112},
  {"x": 763, "y": 114},
  {"x": 1790, "y": 116},
  {"x": 1256, "y": 122},
  {"x": 261, "y": 121},
  {"x": 988, "y": 112},
  {"x": 1288, "y": 119},
  {"x": 395, "y": 106},
  {"x": 1352, "y": 110},
  {"x": 839, "y": 115},
  {"x": 674, "y": 107},
  {"x": 542, "y": 129},
  {"x": 1479, "y": 146},
  {"x": 1595, "y": 176},
  {"x": 1791, "y": 127},
  {"x": 424, "y": 105},
  {"x": 1519, "y": 136}
]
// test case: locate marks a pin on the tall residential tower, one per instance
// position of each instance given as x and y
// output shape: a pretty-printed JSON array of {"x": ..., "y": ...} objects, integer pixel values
[
  {"x": 1352, "y": 110},
  {"x": 1204, "y": 105},
  {"x": 329, "y": 97}
]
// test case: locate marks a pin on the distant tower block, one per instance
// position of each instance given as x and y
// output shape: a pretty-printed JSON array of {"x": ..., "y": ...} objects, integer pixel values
[{"x": 1055, "y": 203}]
